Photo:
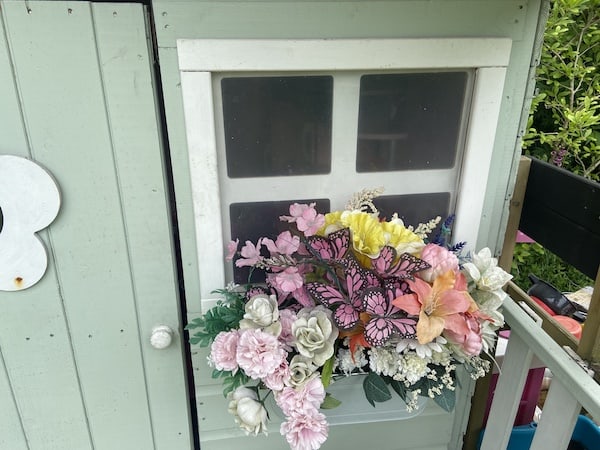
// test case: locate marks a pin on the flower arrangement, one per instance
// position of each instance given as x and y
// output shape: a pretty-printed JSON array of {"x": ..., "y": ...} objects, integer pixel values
[{"x": 348, "y": 292}]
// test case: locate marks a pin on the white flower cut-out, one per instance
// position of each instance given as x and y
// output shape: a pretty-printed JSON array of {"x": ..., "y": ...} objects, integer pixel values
[{"x": 29, "y": 202}]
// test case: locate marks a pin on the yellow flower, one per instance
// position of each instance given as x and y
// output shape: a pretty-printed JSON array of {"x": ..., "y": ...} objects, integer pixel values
[
  {"x": 400, "y": 237},
  {"x": 367, "y": 235},
  {"x": 332, "y": 223}
]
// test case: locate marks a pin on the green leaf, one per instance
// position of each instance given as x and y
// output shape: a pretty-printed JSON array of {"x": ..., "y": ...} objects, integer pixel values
[
  {"x": 376, "y": 389},
  {"x": 446, "y": 399},
  {"x": 399, "y": 388},
  {"x": 327, "y": 371},
  {"x": 330, "y": 402}
]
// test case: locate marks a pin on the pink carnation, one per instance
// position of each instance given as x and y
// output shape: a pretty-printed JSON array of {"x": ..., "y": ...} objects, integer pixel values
[
  {"x": 276, "y": 380},
  {"x": 441, "y": 261},
  {"x": 286, "y": 317},
  {"x": 259, "y": 353},
  {"x": 305, "y": 431},
  {"x": 306, "y": 398},
  {"x": 223, "y": 351}
]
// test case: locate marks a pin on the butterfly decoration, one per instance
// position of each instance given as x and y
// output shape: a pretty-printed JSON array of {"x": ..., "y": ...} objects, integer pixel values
[
  {"x": 386, "y": 319},
  {"x": 347, "y": 301},
  {"x": 331, "y": 248},
  {"x": 387, "y": 264}
]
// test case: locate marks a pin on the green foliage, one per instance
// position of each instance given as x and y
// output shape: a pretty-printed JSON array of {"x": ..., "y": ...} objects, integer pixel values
[
  {"x": 564, "y": 124},
  {"x": 535, "y": 259},
  {"x": 376, "y": 389},
  {"x": 330, "y": 402},
  {"x": 225, "y": 316},
  {"x": 231, "y": 381}
]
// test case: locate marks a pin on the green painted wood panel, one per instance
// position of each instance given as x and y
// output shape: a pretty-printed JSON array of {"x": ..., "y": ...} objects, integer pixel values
[
  {"x": 12, "y": 434},
  {"x": 34, "y": 329},
  {"x": 76, "y": 345},
  {"x": 129, "y": 91}
]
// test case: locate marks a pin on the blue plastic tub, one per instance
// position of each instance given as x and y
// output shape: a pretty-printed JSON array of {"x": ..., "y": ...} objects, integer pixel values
[{"x": 586, "y": 436}]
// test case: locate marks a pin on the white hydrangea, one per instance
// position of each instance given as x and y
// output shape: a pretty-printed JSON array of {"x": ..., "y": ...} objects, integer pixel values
[
  {"x": 347, "y": 363},
  {"x": 412, "y": 368},
  {"x": 384, "y": 360}
]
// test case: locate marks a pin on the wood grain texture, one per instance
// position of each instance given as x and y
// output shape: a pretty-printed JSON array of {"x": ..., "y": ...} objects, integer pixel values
[
  {"x": 76, "y": 345},
  {"x": 129, "y": 92},
  {"x": 34, "y": 336}
]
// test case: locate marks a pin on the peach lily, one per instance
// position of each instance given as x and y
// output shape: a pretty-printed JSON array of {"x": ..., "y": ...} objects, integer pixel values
[{"x": 439, "y": 307}]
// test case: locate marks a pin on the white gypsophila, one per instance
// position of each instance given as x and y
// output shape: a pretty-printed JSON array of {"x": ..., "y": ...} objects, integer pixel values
[
  {"x": 423, "y": 350},
  {"x": 262, "y": 312},
  {"x": 412, "y": 368},
  {"x": 348, "y": 363},
  {"x": 248, "y": 411},
  {"x": 412, "y": 399},
  {"x": 315, "y": 334},
  {"x": 442, "y": 358},
  {"x": 384, "y": 360},
  {"x": 483, "y": 270}
]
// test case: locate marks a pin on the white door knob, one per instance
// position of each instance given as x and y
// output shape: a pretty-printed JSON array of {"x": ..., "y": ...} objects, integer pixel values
[{"x": 161, "y": 337}]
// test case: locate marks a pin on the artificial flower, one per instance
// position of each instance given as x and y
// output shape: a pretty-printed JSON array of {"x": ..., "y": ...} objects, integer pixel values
[
  {"x": 250, "y": 254},
  {"x": 282, "y": 335},
  {"x": 437, "y": 306},
  {"x": 289, "y": 280},
  {"x": 484, "y": 271},
  {"x": 401, "y": 238},
  {"x": 301, "y": 370},
  {"x": 232, "y": 249},
  {"x": 315, "y": 334},
  {"x": 249, "y": 413},
  {"x": 440, "y": 259},
  {"x": 367, "y": 235},
  {"x": 262, "y": 312},
  {"x": 258, "y": 353},
  {"x": 305, "y": 431},
  {"x": 223, "y": 351},
  {"x": 286, "y": 244}
]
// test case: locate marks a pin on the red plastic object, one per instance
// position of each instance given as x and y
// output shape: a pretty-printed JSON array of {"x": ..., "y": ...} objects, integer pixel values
[
  {"x": 543, "y": 305},
  {"x": 571, "y": 325}
]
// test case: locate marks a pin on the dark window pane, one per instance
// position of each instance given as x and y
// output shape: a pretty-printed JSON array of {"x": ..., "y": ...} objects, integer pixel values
[
  {"x": 251, "y": 221},
  {"x": 277, "y": 126},
  {"x": 415, "y": 208},
  {"x": 410, "y": 121}
]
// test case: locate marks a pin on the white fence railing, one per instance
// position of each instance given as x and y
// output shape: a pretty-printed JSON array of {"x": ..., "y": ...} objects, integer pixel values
[{"x": 571, "y": 388}]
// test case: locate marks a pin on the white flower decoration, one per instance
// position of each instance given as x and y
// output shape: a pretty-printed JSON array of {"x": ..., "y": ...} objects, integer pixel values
[{"x": 484, "y": 271}]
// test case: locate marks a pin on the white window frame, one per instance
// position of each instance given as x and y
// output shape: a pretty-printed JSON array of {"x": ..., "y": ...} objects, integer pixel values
[{"x": 199, "y": 59}]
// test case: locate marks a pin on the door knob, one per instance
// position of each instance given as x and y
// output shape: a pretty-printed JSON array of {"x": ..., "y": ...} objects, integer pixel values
[{"x": 161, "y": 337}]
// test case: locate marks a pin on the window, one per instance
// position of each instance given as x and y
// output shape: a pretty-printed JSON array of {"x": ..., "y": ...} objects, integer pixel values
[{"x": 275, "y": 121}]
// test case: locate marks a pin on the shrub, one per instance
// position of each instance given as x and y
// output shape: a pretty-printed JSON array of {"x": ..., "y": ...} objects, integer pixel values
[{"x": 564, "y": 123}]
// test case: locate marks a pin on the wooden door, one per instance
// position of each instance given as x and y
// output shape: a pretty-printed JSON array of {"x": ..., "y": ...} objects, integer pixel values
[{"x": 77, "y": 370}]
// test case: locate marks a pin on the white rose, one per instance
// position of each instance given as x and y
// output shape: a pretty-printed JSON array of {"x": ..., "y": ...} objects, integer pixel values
[
  {"x": 249, "y": 413},
  {"x": 315, "y": 334},
  {"x": 262, "y": 313},
  {"x": 484, "y": 271},
  {"x": 301, "y": 370}
]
